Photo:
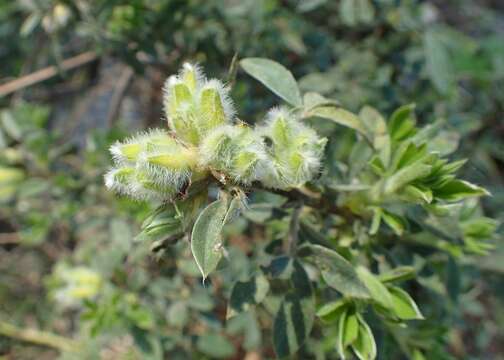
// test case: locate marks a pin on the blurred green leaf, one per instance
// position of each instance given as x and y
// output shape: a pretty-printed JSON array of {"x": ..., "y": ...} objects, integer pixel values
[{"x": 275, "y": 77}]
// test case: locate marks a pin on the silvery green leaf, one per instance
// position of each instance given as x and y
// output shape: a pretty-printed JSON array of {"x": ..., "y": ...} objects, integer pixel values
[
  {"x": 206, "y": 238},
  {"x": 275, "y": 77},
  {"x": 336, "y": 271},
  {"x": 404, "y": 307}
]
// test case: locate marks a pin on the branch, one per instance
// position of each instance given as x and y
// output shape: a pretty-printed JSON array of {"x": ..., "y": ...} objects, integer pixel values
[
  {"x": 310, "y": 199},
  {"x": 39, "y": 337},
  {"x": 47, "y": 73}
]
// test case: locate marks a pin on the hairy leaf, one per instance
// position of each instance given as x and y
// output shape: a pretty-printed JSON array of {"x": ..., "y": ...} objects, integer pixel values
[
  {"x": 337, "y": 271},
  {"x": 275, "y": 77},
  {"x": 206, "y": 239}
]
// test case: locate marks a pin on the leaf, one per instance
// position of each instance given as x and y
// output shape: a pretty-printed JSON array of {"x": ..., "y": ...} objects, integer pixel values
[
  {"x": 247, "y": 293},
  {"x": 332, "y": 310},
  {"x": 275, "y": 77},
  {"x": 416, "y": 193},
  {"x": 339, "y": 116},
  {"x": 379, "y": 293},
  {"x": 340, "y": 347},
  {"x": 439, "y": 64},
  {"x": 294, "y": 319},
  {"x": 11, "y": 126},
  {"x": 404, "y": 306},
  {"x": 395, "y": 222},
  {"x": 351, "y": 329},
  {"x": 206, "y": 238},
  {"x": 337, "y": 271},
  {"x": 216, "y": 346},
  {"x": 354, "y": 12},
  {"x": 377, "y": 127},
  {"x": 405, "y": 176},
  {"x": 280, "y": 267},
  {"x": 30, "y": 24},
  {"x": 398, "y": 274},
  {"x": 364, "y": 346},
  {"x": 246, "y": 324},
  {"x": 402, "y": 123},
  {"x": 375, "y": 223},
  {"x": 313, "y": 99},
  {"x": 456, "y": 190}
]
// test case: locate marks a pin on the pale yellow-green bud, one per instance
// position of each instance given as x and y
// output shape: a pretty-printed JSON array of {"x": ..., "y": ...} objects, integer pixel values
[
  {"x": 76, "y": 284},
  {"x": 295, "y": 151},
  {"x": 215, "y": 107},
  {"x": 192, "y": 76},
  {"x": 129, "y": 150},
  {"x": 180, "y": 109},
  {"x": 120, "y": 180}
]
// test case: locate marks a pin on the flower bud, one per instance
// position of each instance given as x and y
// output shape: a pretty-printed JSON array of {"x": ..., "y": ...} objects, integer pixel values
[
  {"x": 296, "y": 150},
  {"x": 192, "y": 76},
  {"x": 180, "y": 93},
  {"x": 119, "y": 180},
  {"x": 75, "y": 284},
  {"x": 129, "y": 150},
  {"x": 180, "y": 109},
  {"x": 215, "y": 107}
]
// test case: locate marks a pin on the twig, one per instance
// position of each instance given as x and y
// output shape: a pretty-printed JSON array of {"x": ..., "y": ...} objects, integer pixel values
[
  {"x": 39, "y": 337},
  {"x": 9, "y": 238},
  {"x": 47, "y": 73},
  {"x": 310, "y": 199},
  {"x": 292, "y": 238},
  {"x": 233, "y": 69},
  {"x": 119, "y": 92}
]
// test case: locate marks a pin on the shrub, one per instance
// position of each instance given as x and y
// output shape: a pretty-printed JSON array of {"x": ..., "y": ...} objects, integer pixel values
[{"x": 344, "y": 213}]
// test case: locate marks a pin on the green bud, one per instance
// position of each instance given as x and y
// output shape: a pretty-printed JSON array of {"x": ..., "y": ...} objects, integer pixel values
[
  {"x": 180, "y": 109},
  {"x": 215, "y": 106},
  {"x": 295, "y": 152},
  {"x": 129, "y": 150},
  {"x": 192, "y": 76},
  {"x": 119, "y": 180}
]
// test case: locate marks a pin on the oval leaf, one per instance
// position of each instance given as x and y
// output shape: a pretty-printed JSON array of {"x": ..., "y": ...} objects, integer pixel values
[
  {"x": 294, "y": 319},
  {"x": 364, "y": 346},
  {"x": 247, "y": 293},
  {"x": 275, "y": 77},
  {"x": 206, "y": 239},
  {"x": 404, "y": 306},
  {"x": 398, "y": 274},
  {"x": 338, "y": 272},
  {"x": 379, "y": 292},
  {"x": 341, "y": 117}
]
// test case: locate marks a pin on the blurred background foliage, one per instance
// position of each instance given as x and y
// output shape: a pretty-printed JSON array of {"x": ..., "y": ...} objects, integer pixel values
[{"x": 69, "y": 263}]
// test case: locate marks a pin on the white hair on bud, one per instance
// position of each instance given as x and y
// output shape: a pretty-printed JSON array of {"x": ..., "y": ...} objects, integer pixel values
[
  {"x": 196, "y": 69},
  {"x": 117, "y": 155},
  {"x": 250, "y": 142},
  {"x": 212, "y": 150},
  {"x": 113, "y": 184},
  {"x": 296, "y": 141},
  {"x": 141, "y": 139},
  {"x": 223, "y": 91}
]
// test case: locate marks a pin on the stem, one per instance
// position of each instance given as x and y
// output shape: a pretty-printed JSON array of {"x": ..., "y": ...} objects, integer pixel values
[
  {"x": 292, "y": 238},
  {"x": 39, "y": 337},
  {"x": 311, "y": 199}
]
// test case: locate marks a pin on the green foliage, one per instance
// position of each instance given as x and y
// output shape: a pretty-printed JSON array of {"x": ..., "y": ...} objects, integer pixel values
[
  {"x": 398, "y": 168},
  {"x": 325, "y": 228}
]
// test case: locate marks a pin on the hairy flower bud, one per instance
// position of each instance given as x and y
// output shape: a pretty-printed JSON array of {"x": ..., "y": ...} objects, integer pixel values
[
  {"x": 215, "y": 107},
  {"x": 127, "y": 152},
  {"x": 153, "y": 165},
  {"x": 296, "y": 150},
  {"x": 169, "y": 168},
  {"x": 235, "y": 150},
  {"x": 180, "y": 105}
]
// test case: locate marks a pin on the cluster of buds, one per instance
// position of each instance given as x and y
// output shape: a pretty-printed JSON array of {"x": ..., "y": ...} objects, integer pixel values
[{"x": 205, "y": 139}]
